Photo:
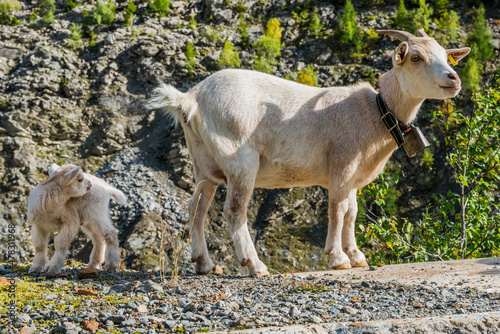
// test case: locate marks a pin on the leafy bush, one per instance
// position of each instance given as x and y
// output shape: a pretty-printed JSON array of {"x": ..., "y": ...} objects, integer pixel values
[
  {"x": 228, "y": 57},
  {"x": 7, "y": 7},
  {"x": 268, "y": 47},
  {"x": 129, "y": 13},
  {"x": 104, "y": 13},
  {"x": 160, "y": 6},
  {"x": 463, "y": 223}
]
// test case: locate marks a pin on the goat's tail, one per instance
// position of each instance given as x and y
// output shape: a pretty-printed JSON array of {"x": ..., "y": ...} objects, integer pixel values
[
  {"x": 173, "y": 102},
  {"x": 117, "y": 195}
]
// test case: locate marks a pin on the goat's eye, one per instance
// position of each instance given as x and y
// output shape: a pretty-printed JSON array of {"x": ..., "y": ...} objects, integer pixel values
[
  {"x": 415, "y": 58},
  {"x": 80, "y": 180}
]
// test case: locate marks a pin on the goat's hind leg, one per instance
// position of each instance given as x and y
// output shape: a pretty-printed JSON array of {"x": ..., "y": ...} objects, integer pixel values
[
  {"x": 98, "y": 246},
  {"x": 356, "y": 257},
  {"x": 239, "y": 191},
  {"x": 198, "y": 207}
]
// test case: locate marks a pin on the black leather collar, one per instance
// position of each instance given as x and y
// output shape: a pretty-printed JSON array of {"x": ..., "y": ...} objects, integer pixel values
[{"x": 397, "y": 128}]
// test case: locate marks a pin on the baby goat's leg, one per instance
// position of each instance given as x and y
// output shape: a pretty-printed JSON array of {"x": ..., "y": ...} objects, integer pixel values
[
  {"x": 67, "y": 233},
  {"x": 98, "y": 246},
  {"x": 40, "y": 239},
  {"x": 356, "y": 257},
  {"x": 238, "y": 195},
  {"x": 337, "y": 209},
  {"x": 198, "y": 207}
]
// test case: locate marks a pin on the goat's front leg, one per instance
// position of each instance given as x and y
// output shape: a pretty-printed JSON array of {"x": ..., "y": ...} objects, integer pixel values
[
  {"x": 338, "y": 206},
  {"x": 40, "y": 239},
  {"x": 198, "y": 207},
  {"x": 235, "y": 212},
  {"x": 356, "y": 257}
]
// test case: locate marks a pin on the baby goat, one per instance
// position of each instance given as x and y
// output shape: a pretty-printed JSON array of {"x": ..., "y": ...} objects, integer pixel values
[{"x": 249, "y": 129}]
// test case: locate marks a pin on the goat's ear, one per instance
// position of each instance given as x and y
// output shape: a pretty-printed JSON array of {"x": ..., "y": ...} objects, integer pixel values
[
  {"x": 457, "y": 54},
  {"x": 53, "y": 170},
  {"x": 71, "y": 175},
  {"x": 400, "y": 53}
]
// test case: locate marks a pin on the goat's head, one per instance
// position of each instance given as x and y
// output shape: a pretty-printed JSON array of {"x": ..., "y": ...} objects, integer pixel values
[{"x": 422, "y": 66}]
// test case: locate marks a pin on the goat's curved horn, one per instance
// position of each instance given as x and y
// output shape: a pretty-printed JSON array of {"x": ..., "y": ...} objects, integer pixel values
[
  {"x": 403, "y": 36},
  {"x": 422, "y": 33}
]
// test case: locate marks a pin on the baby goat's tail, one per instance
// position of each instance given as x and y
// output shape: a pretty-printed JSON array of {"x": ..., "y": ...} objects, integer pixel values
[
  {"x": 181, "y": 106},
  {"x": 117, "y": 195}
]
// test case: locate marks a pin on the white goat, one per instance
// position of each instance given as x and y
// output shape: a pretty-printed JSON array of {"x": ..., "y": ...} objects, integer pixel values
[{"x": 250, "y": 129}]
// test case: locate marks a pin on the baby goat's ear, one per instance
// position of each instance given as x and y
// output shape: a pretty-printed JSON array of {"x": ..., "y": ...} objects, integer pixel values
[
  {"x": 71, "y": 175},
  {"x": 457, "y": 54},
  {"x": 53, "y": 169}
]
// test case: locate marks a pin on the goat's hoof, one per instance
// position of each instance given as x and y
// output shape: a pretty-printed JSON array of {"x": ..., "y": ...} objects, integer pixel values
[
  {"x": 261, "y": 273},
  {"x": 360, "y": 264},
  {"x": 346, "y": 265},
  {"x": 203, "y": 270}
]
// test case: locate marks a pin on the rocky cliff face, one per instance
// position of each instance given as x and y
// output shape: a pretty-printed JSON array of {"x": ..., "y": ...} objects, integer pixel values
[{"x": 84, "y": 105}]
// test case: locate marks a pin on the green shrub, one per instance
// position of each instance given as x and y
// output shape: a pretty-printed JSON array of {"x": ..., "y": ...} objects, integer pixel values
[
  {"x": 462, "y": 223},
  {"x": 421, "y": 17},
  {"x": 75, "y": 39},
  {"x": 401, "y": 20},
  {"x": 448, "y": 26},
  {"x": 442, "y": 7},
  {"x": 228, "y": 57},
  {"x": 48, "y": 5},
  {"x": 48, "y": 18},
  {"x": 480, "y": 42},
  {"x": 348, "y": 32},
  {"x": 190, "y": 54},
  {"x": 268, "y": 47},
  {"x": 160, "y": 6},
  {"x": 129, "y": 13},
  {"x": 193, "y": 24},
  {"x": 7, "y": 7},
  {"x": 261, "y": 64},
  {"x": 315, "y": 25},
  {"x": 92, "y": 41},
  {"x": 308, "y": 76},
  {"x": 243, "y": 30},
  {"x": 211, "y": 35},
  {"x": 104, "y": 13},
  {"x": 70, "y": 5},
  {"x": 240, "y": 7}
]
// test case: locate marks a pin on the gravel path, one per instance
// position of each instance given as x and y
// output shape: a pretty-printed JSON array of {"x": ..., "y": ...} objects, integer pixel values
[{"x": 139, "y": 302}]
